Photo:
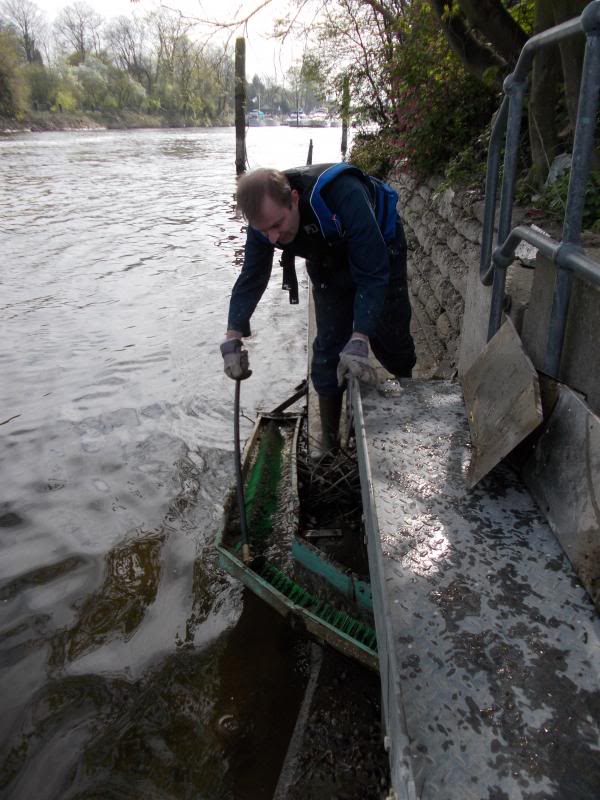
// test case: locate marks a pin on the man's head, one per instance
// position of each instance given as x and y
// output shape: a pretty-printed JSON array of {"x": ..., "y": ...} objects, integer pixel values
[{"x": 270, "y": 205}]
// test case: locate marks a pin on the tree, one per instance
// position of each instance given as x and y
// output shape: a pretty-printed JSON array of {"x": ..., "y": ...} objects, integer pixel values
[
  {"x": 93, "y": 77},
  {"x": 403, "y": 76},
  {"x": 349, "y": 39},
  {"x": 28, "y": 21},
  {"x": 128, "y": 41},
  {"x": 43, "y": 85},
  {"x": 255, "y": 92},
  {"x": 13, "y": 93},
  {"x": 167, "y": 29},
  {"x": 126, "y": 91},
  {"x": 488, "y": 38},
  {"x": 221, "y": 64},
  {"x": 77, "y": 28}
]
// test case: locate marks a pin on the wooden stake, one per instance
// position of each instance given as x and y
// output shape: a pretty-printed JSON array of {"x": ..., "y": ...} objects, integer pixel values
[
  {"x": 240, "y": 106},
  {"x": 345, "y": 114}
]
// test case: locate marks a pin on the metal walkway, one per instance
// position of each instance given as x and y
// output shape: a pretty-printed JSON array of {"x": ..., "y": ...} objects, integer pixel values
[{"x": 489, "y": 646}]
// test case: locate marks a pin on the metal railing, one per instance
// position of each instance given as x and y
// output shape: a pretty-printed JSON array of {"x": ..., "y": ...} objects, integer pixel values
[{"x": 567, "y": 254}]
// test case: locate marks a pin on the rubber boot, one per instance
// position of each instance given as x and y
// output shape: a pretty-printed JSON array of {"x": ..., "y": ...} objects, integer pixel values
[{"x": 330, "y": 409}]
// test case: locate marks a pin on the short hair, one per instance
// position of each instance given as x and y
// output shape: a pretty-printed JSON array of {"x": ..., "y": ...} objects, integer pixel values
[{"x": 254, "y": 186}]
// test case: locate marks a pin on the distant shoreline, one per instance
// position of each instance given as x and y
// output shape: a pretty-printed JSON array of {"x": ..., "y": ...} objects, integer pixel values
[{"x": 40, "y": 121}]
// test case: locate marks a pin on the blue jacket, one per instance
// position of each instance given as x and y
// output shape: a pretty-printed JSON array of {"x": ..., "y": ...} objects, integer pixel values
[{"x": 346, "y": 218}]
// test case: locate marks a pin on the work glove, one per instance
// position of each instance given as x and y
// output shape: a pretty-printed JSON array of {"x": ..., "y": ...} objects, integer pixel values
[
  {"x": 354, "y": 361},
  {"x": 235, "y": 360}
]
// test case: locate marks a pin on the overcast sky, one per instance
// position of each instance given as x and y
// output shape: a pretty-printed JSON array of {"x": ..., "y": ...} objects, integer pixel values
[{"x": 263, "y": 56}]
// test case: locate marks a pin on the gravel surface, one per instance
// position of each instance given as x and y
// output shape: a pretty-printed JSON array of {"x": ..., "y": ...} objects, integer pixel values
[{"x": 337, "y": 750}]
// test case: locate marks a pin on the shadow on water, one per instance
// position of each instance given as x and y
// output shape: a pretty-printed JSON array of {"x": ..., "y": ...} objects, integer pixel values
[
  {"x": 212, "y": 724},
  {"x": 40, "y": 576},
  {"x": 185, "y": 148}
]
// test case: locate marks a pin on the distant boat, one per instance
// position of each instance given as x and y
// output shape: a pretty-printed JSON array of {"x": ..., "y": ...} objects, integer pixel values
[
  {"x": 318, "y": 119},
  {"x": 297, "y": 119},
  {"x": 255, "y": 119}
]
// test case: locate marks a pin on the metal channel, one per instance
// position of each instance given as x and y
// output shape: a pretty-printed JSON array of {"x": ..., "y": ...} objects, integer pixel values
[
  {"x": 396, "y": 739},
  {"x": 489, "y": 646}
]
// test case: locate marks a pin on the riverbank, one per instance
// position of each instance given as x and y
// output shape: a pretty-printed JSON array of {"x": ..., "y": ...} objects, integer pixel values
[{"x": 38, "y": 121}]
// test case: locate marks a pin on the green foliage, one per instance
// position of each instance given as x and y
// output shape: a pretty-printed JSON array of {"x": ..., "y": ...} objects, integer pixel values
[
  {"x": 148, "y": 65},
  {"x": 374, "y": 153},
  {"x": 404, "y": 76},
  {"x": 524, "y": 13},
  {"x": 43, "y": 85},
  {"x": 93, "y": 77},
  {"x": 553, "y": 200},
  {"x": 441, "y": 108},
  {"x": 126, "y": 92},
  {"x": 65, "y": 101},
  {"x": 468, "y": 167},
  {"x": 13, "y": 88}
]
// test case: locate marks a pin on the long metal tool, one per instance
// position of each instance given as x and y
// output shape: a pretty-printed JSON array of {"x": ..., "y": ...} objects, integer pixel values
[{"x": 239, "y": 479}]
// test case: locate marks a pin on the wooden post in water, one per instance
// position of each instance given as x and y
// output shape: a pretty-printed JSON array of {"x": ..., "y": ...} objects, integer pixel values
[
  {"x": 309, "y": 156},
  {"x": 240, "y": 105},
  {"x": 345, "y": 114}
]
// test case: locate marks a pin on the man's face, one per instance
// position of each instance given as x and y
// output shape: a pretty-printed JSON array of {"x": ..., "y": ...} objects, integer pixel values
[{"x": 279, "y": 223}]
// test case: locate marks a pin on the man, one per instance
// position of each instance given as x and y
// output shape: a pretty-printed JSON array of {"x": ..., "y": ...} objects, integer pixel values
[{"x": 345, "y": 224}]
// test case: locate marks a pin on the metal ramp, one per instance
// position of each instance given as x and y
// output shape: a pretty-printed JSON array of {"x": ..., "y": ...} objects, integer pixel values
[{"x": 489, "y": 646}]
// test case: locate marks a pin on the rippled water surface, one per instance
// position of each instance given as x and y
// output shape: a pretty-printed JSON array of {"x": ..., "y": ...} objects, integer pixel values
[{"x": 130, "y": 665}]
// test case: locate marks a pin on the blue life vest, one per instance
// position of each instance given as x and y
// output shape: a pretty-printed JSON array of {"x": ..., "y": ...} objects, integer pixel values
[
  {"x": 309, "y": 182},
  {"x": 313, "y": 180}
]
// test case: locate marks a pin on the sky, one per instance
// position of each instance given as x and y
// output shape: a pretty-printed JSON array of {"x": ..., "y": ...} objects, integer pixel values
[{"x": 263, "y": 56}]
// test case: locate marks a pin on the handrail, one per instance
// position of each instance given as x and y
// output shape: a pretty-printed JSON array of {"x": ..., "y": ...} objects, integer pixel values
[{"x": 566, "y": 255}]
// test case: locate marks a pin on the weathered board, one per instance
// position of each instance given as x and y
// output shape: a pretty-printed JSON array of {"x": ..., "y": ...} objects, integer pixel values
[
  {"x": 563, "y": 474},
  {"x": 502, "y": 397}
]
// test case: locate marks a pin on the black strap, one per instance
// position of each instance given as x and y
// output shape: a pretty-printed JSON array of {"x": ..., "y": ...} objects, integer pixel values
[{"x": 290, "y": 280}]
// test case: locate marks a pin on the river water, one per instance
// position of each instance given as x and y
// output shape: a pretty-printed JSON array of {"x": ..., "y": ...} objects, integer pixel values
[{"x": 130, "y": 665}]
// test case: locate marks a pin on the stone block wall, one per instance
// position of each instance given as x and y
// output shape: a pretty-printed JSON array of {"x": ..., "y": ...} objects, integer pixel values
[{"x": 443, "y": 229}]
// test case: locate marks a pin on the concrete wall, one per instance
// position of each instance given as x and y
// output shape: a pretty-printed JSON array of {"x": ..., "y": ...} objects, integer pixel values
[
  {"x": 443, "y": 238},
  {"x": 450, "y": 304}
]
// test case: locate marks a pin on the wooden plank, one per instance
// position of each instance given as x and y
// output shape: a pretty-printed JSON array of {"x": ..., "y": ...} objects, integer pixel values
[
  {"x": 563, "y": 475},
  {"x": 502, "y": 397}
]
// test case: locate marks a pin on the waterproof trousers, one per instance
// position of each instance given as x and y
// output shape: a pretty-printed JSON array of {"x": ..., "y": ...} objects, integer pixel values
[{"x": 333, "y": 292}]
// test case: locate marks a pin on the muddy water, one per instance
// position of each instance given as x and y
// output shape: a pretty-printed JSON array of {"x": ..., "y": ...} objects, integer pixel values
[{"x": 130, "y": 665}]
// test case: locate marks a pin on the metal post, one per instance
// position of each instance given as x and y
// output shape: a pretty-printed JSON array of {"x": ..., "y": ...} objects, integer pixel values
[
  {"x": 491, "y": 190},
  {"x": 515, "y": 90},
  {"x": 512, "y": 105},
  {"x": 580, "y": 167}
]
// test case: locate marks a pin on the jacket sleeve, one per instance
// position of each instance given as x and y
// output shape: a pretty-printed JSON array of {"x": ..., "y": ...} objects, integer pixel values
[
  {"x": 349, "y": 200},
  {"x": 251, "y": 283}
]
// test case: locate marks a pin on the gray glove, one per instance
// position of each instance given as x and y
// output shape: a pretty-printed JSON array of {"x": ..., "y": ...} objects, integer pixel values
[
  {"x": 235, "y": 360},
  {"x": 354, "y": 361}
]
